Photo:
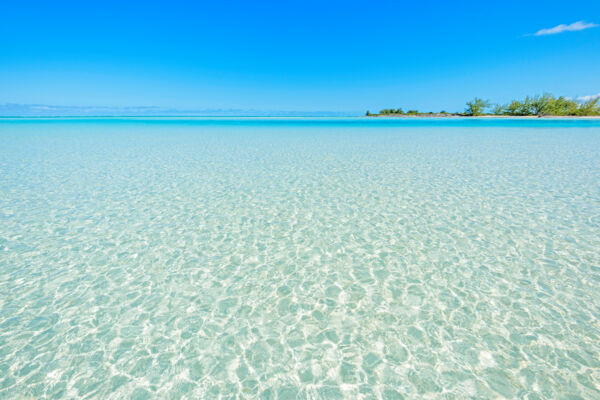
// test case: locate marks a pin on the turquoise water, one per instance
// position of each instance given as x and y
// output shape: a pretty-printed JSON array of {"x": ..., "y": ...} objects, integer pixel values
[{"x": 299, "y": 258}]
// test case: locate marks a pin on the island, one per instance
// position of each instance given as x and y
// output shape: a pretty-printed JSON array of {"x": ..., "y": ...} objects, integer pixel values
[{"x": 545, "y": 105}]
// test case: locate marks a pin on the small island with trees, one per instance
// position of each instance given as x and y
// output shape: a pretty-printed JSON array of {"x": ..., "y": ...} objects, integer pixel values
[{"x": 545, "y": 105}]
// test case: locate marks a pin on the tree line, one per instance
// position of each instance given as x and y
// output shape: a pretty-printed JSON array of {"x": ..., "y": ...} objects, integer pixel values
[{"x": 539, "y": 105}]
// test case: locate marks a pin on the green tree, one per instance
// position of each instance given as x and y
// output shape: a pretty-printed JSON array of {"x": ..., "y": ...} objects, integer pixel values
[
  {"x": 516, "y": 107},
  {"x": 512, "y": 108},
  {"x": 589, "y": 107},
  {"x": 476, "y": 106},
  {"x": 564, "y": 106},
  {"x": 541, "y": 105},
  {"x": 498, "y": 109}
]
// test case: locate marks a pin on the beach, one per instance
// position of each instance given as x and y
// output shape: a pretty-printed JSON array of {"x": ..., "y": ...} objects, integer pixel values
[{"x": 438, "y": 115}]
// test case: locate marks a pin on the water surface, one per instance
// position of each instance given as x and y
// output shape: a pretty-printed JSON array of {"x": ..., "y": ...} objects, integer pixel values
[{"x": 299, "y": 258}]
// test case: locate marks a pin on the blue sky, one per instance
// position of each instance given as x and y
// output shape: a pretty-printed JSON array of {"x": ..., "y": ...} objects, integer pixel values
[{"x": 297, "y": 56}]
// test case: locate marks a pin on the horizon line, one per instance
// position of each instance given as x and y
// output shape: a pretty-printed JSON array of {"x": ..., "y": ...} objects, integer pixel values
[
  {"x": 45, "y": 110},
  {"x": 342, "y": 115}
]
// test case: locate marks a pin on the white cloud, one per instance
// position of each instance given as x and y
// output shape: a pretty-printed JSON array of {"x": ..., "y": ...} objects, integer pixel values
[
  {"x": 588, "y": 98},
  {"x": 575, "y": 26}
]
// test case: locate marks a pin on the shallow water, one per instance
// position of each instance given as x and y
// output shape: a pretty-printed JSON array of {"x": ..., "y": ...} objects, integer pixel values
[{"x": 299, "y": 258}]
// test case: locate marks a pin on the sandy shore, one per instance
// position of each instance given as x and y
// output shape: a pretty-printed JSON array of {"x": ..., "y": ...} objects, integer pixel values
[{"x": 485, "y": 116}]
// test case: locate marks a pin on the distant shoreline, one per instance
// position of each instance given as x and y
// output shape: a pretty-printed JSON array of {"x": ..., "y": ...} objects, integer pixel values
[
  {"x": 539, "y": 106},
  {"x": 409, "y": 116}
]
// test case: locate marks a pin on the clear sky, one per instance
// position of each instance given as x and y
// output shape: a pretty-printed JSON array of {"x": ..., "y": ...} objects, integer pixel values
[{"x": 302, "y": 56}]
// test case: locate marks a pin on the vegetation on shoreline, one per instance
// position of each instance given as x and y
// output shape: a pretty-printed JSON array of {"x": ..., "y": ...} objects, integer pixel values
[{"x": 540, "y": 105}]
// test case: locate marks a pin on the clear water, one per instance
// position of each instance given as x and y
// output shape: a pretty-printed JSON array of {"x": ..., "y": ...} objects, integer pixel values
[{"x": 299, "y": 258}]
